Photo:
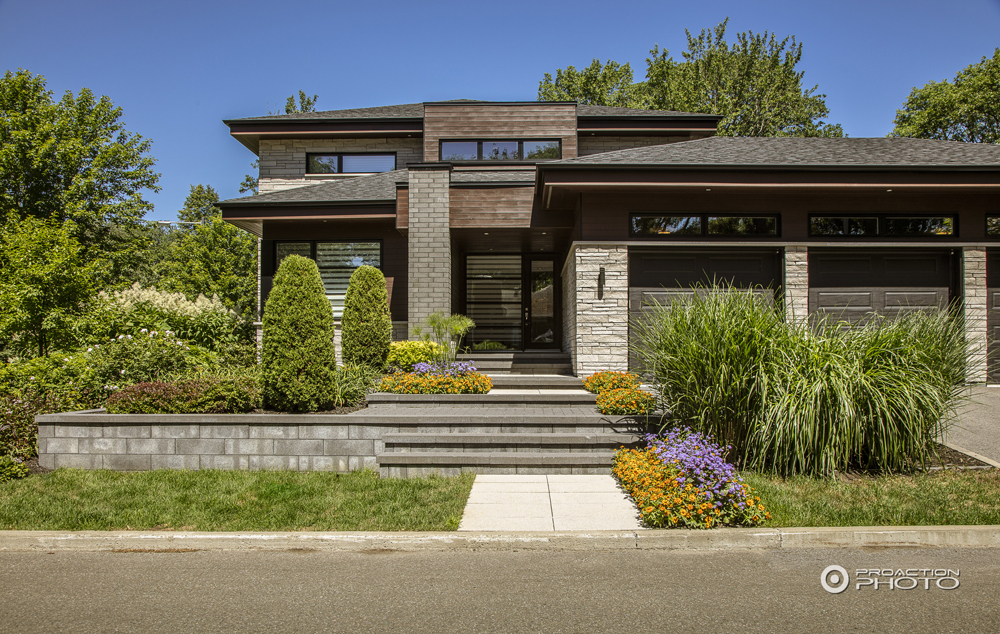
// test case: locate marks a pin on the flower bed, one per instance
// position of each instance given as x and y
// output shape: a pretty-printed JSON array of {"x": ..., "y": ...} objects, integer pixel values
[
  {"x": 610, "y": 380},
  {"x": 437, "y": 378},
  {"x": 625, "y": 401},
  {"x": 681, "y": 479}
]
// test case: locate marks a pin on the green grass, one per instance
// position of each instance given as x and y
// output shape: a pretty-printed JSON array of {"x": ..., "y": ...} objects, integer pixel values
[
  {"x": 72, "y": 499},
  {"x": 935, "y": 498}
]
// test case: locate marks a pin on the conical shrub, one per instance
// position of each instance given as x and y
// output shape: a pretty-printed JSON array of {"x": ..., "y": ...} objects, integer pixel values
[
  {"x": 366, "y": 324},
  {"x": 298, "y": 359}
]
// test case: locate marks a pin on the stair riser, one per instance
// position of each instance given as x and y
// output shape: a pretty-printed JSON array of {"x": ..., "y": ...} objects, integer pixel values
[
  {"x": 601, "y": 448},
  {"x": 449, "y": 471}
]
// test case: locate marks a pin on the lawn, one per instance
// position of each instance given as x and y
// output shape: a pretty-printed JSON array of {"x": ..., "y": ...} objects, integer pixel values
[
  {"x": 71, "y": 499},
  {"x": 947, "y": 497}
]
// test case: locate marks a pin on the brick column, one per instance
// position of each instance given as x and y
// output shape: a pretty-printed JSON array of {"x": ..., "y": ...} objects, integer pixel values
[
  {"x": 974, "y": 307},
  {"x": 796, "y": 283},
  {"x": 429, "y": 256},
  {"x": 601, "y": 315}
]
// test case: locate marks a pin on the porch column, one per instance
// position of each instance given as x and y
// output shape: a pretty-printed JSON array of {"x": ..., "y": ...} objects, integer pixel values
[
  {"x": 601, "y": 322},
  {"x": 974, "y": 306},
  {"x": 429, "y": 242},
  {"x": 796, "y": 283}
]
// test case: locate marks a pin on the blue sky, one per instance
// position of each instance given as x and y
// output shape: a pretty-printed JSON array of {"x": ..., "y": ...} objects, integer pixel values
[{"x": 178, "y": 68}]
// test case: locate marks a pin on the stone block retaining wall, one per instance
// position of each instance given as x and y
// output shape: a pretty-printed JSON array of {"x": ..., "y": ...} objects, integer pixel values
[{"x": 95, "y": 439}]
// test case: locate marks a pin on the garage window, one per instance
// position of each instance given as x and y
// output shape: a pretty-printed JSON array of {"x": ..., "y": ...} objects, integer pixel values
[
  {"x": 880, "y": 226},
  {"x": 702, "y": 225}
]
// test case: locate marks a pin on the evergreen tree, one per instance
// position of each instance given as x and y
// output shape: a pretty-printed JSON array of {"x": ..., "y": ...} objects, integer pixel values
[{"x": 366, "y": 324}]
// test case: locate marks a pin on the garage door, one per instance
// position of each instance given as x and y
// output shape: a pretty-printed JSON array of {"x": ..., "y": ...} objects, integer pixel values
[
  {"x": 853, "y": 285},
  {"x": 993, "y": 313}
]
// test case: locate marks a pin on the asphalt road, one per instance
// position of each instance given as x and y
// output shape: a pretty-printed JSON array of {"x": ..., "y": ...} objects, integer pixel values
[{"x": 476, "y": 591}]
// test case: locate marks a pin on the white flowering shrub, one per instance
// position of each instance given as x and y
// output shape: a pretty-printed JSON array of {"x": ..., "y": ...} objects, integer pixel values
[{"x": 149, "y": 355}]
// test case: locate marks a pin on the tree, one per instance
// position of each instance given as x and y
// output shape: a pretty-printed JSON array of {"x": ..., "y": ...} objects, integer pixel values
[
  {"x": 73, "y": 161},
  {"x": 366, "y": 324},
  {"x": 966, "y": 109},
  {"x": 298, "y": 359},
  {"x": 752, "y": 84},
  {"x": 306, "y": 104},
  {"x": 45, "y": 282},
  {"x": 199, "y": 206}
]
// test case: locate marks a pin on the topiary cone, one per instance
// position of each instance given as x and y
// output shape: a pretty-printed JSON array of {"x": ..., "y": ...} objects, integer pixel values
[{"x": 366, "y": 327}]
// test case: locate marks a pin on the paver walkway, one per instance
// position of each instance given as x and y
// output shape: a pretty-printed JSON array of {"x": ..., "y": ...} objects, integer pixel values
[{"x": 548, "y": 503}]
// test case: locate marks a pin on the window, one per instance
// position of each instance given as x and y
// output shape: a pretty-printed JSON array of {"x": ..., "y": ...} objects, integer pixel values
[
  {"x": 500, "y": 150},
  {"x": 703, "y": 225},
  {"x": 349, "y": 163},
  {"x": 336, "y": 262},
  {"x": 993, "y": 226},
  {"x": 882, "y": 226}
]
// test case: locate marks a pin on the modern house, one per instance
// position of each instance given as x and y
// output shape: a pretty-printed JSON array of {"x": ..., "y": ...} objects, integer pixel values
[{"x": 551, "y": 224}]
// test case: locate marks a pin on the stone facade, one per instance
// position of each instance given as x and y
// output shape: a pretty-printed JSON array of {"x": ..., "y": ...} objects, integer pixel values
[
  {"x": 796, "y": 283},
  {"x": 283, "y": 162},
  {"x": 975, "y": 307},
  {"x": 601, "y": 320},
  {"x": 429, "y": 246},
  {"x": 139, "y": 442},
  {"x": 597, "y": 144}
]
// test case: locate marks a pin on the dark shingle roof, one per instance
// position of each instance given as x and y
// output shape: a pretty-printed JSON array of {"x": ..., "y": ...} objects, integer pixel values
[
  {"x": 801, "y": 152},
  {"x": 374, "y": 188},
  {"x": 611, "y": 111}
]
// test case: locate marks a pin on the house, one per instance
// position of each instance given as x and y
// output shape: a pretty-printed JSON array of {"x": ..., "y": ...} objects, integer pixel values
[{"x": 552, "y": 224}]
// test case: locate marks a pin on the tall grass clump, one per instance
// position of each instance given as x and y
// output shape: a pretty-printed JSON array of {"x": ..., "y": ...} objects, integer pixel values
[{"x": 795, "y": 399}]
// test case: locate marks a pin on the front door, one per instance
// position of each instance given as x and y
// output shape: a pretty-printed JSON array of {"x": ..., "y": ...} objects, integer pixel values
[{"x": 514, "y": 300}]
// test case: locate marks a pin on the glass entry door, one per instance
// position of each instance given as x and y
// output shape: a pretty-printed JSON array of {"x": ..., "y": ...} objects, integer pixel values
[
  {"x": 514, "y": 301},
  {"x": 540, "y": 309}
]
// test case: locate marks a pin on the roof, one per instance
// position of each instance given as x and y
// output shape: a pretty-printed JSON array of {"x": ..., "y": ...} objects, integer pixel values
[
  {"x": 798, "y": 152},
  {"x": 374, "y": 188},
  {"x": 416, "y": 111}
]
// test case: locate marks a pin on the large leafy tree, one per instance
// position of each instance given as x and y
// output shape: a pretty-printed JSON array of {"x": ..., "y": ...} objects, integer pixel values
[
  {"x": 964, "y": 109},
  {"x": 305, "y": 104},
  {"x": 73, "y": 160},
  {"x": 752, "y": 83},
  {"x": 45, "y": 284}
]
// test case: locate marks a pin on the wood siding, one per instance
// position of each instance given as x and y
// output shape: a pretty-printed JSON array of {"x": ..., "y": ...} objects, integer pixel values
[
  {"x": 504, "y": 121},
  {"x": 402, "y": 208},
  {"x": 498, "y": 207}
]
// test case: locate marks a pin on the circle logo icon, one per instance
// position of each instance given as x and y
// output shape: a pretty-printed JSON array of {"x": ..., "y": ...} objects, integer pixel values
[{"x": 834, "y": 579}]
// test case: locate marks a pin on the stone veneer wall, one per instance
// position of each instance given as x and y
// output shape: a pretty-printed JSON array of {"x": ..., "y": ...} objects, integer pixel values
[
  {"x": 601, "y": 324},
  {"x": 283, "y": 162},
  {"x": 975, "y": 307},
  {"x": 597, "y": 144},
  {"x": 429, "y": 247},
  {"x": 796, "y": 283},
  {"x": 138, "y": 442},
  {"x": 569, "y": 308}
]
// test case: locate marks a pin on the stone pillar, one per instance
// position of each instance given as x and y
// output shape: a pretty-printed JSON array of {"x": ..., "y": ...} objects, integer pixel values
[
  {"x": 796, "y": 283},
  {"x": 601, "y": 313},
  {"x": 974, "y": 299},
  {"x": 429, "y": 258}
]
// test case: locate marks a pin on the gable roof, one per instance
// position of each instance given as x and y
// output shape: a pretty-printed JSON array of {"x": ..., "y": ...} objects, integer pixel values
[{"x": 797, "y": 152}]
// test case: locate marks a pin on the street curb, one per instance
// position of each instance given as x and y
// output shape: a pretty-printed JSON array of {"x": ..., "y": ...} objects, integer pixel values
[{"x": 718, "y": 539}]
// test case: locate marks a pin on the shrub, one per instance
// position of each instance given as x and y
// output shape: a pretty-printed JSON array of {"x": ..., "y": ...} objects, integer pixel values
[
  {"x": 366, "y": 324},
  {"x": 682, "y": 480},
  {"x": 12, "y": 469},
  {"x": 794, "y": 399},
  {"x": 352, "y": 383},
  {"x": 489, "y": 345},
  {"x": 18, "y": 408},
  {"x": 231, "y": 394},
  {"x": 404, "y": 354},
  {"x": 298, "y": 358},
  {"x": 147, "y": 356},
  {"x": 625, "y": 401},
  {"x": 610, "y": 380},
  {"x": 446, "y": 332},
  {"x": 408, "y": 383}
]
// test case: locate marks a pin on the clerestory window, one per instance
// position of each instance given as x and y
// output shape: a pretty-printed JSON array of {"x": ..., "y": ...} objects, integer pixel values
[
  {"x": 349, "y": 163},
  {"x": 501, "y": 150}
]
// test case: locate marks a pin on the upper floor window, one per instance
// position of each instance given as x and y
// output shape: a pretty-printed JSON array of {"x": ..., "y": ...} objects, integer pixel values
[
  {"x": 879, "y": 226},
  {"x": 697, "y": 225},
  {"x": 349, "y": 163},
  {"x": 501, "y": 150}
]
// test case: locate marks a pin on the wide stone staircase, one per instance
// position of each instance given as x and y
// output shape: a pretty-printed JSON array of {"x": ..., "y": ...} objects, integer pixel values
[
  {"x": 547, "y": 362},
  {"x": 528, "y": 424}
]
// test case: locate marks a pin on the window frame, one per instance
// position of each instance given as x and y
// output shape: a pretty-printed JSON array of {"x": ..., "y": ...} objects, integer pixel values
[
  {"x": 313, "y": 249},
  {"x": 703, "y": 219},
  {"x": 479, "y": 149},
  {"x": 881, "y": 219},
  {"x": 986, "y": 231},
  {"x": 340, "y": 164}
]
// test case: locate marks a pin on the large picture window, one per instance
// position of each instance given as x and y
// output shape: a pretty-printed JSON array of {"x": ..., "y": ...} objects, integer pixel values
[
  {"x": 336, "y": 262},
  {"x": 702, "y": 225},
  {"x": 501, "y": 150},
  {"x": 882, "y": 226},
  {"x": 349, "y": 163}
]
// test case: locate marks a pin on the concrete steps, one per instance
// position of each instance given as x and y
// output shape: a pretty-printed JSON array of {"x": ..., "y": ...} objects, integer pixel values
[
  {"x": 497, "y": 398},
  {"x": 536, "y": 381},
  {"x": 521, "y": 362}
]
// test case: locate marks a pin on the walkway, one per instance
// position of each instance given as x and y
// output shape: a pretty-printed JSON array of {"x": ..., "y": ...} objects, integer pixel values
[
  {"x": 977, "y": 429},
  {"x": 548, "y": 503}
]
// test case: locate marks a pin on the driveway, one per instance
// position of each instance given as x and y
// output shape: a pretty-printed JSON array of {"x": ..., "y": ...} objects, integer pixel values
[{"x": 977, "y": 428}]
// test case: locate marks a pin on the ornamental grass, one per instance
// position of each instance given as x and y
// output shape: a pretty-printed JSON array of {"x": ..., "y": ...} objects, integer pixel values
[{"x": 681, "y": 480}]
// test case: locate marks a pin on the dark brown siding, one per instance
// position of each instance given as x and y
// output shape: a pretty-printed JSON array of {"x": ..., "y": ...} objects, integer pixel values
[
  {"x": 517, "y": 121},
  {"x": 402, "y": 208},
  {"x": 394, "y": 251},
  {"x": 500, "y": 207}
]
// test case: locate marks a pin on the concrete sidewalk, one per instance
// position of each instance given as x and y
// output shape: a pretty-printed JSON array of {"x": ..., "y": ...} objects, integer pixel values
[
  {"x": 977, "y": 429},
  {"x": 548, "y": 503}
]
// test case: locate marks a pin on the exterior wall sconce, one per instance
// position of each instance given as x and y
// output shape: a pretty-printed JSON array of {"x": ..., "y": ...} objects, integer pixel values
[{"x": 600, "y": 284}]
